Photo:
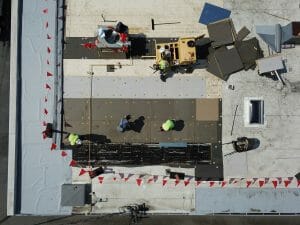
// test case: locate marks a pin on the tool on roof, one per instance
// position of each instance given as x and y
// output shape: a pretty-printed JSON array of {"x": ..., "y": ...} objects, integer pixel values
[
  {"x": 110, "y": 21},
  {"x": 156, "y": 24}
]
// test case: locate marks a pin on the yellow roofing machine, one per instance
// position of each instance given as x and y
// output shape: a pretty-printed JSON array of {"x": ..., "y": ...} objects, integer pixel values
[{"x": 183, "y": 51}]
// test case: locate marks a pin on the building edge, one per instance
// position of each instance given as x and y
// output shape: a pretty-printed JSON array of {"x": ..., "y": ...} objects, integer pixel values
[{"x": 13, "y": 137}]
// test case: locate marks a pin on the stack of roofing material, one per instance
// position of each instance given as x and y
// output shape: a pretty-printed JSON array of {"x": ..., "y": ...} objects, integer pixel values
[
  {"x": 223, "y": 61},
  {"x": 229, "y": 53},
  {"x": 221, "y": 32},
  {"x": 242, "y": 33},
  {"x": 249, "y": 51}
]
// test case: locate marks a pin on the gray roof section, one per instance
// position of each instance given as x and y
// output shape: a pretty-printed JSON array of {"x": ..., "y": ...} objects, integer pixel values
[
  {"x": 135, "y": 87},
  {"x": 247, "y": 200},
  {"x": 43, "y": 171},
  {"x": 74, "y": 194}
]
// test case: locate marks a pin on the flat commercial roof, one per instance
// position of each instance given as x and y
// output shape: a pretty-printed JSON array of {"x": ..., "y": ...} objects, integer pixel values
[{"x": 41, "y": 172}]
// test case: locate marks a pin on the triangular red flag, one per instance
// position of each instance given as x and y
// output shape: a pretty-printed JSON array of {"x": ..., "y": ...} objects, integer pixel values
[
  {"x": 48, "y": 86},
  {"x": 139, "y": 181},
  {"x": 48, "y": 50},
  {"x": 298, "y": 183},
  {"x": 89, "y": 45},
  {"x": 126, "y": 178},
  {"x": 223, "y": 183},
  {"x": 177, "y": 182},
  {"x": 248, "y": 183},
  {"x": 164, "y": 182},
  {"x": 211, "y": 183},
  {"x": 46, "y": 111},
  {"x": 45, "y": 11},
  {"x": 48, "y": 36},
  {"x": 49, "y": 74},
  {"x": 114, "y": 178},
  {"x": 261, "y": 183},
  {"x": 274, "y": 183},
  {"x": 73, "y": 163},
  {"x": 286, "y": 183},
  {"x": 186, "y": 182},
  {"x": 63, "y": 153},
  {"x": 100, "y": 179},
  {"x": 44, "y": 135},
  {"x": 53, "y": 146},
  {"x": 82, "y": 171}
]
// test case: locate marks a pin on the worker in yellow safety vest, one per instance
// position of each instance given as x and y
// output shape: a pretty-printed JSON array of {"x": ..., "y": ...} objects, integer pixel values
[
  {"x": 74, "y": 139},
  {"x": 168, "y": 125},
  {"x": 163, "y": 65}
]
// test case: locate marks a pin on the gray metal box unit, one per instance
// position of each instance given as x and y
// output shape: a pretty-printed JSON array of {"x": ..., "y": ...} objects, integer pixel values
[{"x": 75, "y": 194}]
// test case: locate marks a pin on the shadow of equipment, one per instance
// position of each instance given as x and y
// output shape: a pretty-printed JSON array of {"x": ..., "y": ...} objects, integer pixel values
[{"x": 253, "y": 143}]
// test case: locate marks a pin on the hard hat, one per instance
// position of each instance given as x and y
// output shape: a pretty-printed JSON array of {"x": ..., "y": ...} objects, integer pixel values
[
  {"x": 162, "y": 49},
  {"x": 78, "y": 142}
]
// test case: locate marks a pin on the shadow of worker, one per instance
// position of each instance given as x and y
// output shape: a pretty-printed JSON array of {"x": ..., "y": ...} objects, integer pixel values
[
  {"x": 178, "y": 125},
  {"x": 137, "y": 125},
  {"x": 95, "y": 138}
]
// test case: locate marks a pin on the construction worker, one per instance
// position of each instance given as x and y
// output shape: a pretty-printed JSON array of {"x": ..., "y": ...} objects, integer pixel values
[
  {"x": 163, "y": 65},
  {"x": 165, "y": 54},
  {"x": 124, "y": 124},
  {"x": 74, "y": 139},
  {"x": 168, "y": 125}
]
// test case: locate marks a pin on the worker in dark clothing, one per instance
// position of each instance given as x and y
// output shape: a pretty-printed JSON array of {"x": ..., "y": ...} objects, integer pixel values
[{"x": 124, "y": 124}]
